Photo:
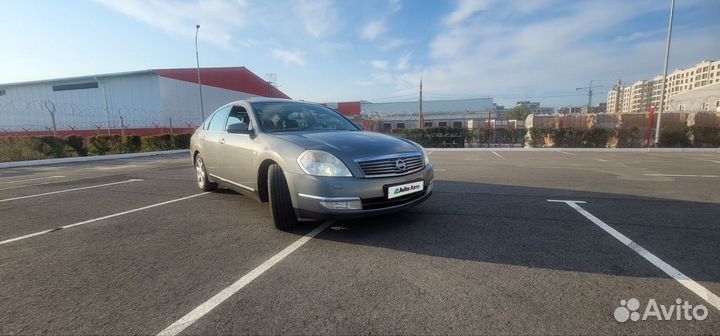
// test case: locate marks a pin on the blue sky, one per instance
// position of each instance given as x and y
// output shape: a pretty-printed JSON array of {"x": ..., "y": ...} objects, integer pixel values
[{"x": 377, "y": 50}]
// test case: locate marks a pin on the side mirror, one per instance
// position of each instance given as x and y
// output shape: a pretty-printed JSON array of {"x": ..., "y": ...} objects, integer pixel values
[{"x": 238, "y": 128}]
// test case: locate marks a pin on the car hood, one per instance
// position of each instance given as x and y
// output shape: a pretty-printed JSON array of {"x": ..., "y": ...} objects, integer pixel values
[{"x": 350, "y": 144}]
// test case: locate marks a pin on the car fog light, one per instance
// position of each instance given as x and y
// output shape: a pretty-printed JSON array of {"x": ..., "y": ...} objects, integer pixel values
[{"x": 342, "y": 205}]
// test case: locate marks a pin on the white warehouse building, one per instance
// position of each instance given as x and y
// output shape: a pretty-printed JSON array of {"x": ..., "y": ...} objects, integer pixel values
[{"x": 149, "y": 101}]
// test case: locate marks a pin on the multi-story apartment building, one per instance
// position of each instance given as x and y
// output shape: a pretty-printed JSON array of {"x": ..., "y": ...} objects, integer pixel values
[
  {"x": 615, "y": 99},
  {"x": 645, "y": 93}
]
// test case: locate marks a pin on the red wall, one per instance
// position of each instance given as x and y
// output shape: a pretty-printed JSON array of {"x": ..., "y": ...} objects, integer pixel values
[
  {"x": 104, "y": 131},
  {"x": 349, "y": 108}
]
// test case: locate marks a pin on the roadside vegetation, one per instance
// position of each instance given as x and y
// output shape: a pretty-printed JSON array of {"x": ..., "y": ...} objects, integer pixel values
[
  {"x": 693, "y": 136},
  {"x": 48, "y": 147}
]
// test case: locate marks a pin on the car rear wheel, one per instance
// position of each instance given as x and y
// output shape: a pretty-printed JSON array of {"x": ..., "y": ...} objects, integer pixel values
[
  {"x": 281, "y": 208},
  {"x": 202, "y": 175}
]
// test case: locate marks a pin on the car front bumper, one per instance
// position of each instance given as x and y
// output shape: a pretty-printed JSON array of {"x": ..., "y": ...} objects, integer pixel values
[{"x": 309, "y": 192}]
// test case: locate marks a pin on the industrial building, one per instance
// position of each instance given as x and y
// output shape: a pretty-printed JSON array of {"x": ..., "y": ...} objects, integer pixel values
[
  {"x": 437, "y": 113},
  {"x": 142, "y": 102}
]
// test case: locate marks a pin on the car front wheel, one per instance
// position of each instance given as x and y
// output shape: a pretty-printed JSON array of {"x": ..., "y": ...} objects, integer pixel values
[
  {"x": 202, "y": 176},
  {"x": 281, "y": 208}
]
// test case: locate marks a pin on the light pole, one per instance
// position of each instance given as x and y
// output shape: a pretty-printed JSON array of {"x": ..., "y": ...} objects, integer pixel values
[
  {"x": 197, "y": 59},
  {"x": 665, "y": 70}
]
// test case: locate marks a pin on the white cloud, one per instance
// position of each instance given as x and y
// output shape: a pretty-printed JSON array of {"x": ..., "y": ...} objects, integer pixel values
[
  {"x": 465, "y": 9},
  {"x": 638, "y": 36},
  {"x": 290, "y": 57},
  {"x": 180, "y": 18},
  {"x": 404, "y": 62},
  {"x": 380, "y": 65},
  {"x": 394, "y": 43},
  {"x": 319, "y": 17},
  {"x": 554, "y": 53},
  {"x": 373, "y": 29}
]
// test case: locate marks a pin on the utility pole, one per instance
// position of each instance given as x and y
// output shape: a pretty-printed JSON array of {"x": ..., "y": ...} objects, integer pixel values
[
  {"x": 665, "y": 71},
  {"x": 618, "y": 91},
  {"x": 422, "y": 117},
  {"x": 197, "y": 59}
]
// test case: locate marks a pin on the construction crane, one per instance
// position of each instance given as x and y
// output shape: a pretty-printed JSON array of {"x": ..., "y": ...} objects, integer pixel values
[{"x": 589, "y": 89}]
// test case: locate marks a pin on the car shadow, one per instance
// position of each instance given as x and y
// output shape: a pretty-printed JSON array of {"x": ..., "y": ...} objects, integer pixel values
[{"x": 516, "y": 225}]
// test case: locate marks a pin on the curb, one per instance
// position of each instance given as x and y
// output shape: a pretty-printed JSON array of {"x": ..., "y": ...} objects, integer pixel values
[
  {"x": 589, "y": 150},
  {"x": 31, "y": 163}
]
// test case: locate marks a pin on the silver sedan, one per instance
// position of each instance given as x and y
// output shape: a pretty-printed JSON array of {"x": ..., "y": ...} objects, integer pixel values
[{"x": 308, "y": 161}]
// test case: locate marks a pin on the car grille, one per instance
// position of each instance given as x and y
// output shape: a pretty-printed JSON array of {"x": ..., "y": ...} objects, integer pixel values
[
  {"x": 382, "y": 202},
  {"x": 385, "y": 167}
]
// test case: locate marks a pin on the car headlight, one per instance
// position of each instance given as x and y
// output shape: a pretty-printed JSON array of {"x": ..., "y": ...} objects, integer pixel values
[
  {"x": 319, "y": 163},
  {"x": 426, "y": 158}
]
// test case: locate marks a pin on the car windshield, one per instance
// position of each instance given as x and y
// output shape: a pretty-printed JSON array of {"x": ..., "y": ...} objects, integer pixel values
[{"x": 291, "y": 116}]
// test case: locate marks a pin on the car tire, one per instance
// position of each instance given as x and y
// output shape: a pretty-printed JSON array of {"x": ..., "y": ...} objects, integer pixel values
[
  {"x": 281, "y": 209},
  {"x": 202, "y": 175}
]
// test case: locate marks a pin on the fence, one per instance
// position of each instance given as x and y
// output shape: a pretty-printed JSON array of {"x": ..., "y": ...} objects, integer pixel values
[
  {"x": 35, "y": 117},
  {"x": 679, "y": 129}
]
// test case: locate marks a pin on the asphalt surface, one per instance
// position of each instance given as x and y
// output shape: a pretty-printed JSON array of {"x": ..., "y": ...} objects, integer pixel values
[{"x": 486, "y": 254}]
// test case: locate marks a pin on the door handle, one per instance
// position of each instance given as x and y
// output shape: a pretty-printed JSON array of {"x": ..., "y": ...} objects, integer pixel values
[
  {"x": 222, "y": 141},
  {"x": 202, "y": 137}
]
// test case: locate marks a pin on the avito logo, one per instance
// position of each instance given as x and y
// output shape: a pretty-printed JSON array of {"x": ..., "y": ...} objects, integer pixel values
[{"x": 681, "y": 310}]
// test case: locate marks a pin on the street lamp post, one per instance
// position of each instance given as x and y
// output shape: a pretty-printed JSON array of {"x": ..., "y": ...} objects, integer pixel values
[
  {"x": 665, "y": 73},
  {"x": 197, "y": 60}
]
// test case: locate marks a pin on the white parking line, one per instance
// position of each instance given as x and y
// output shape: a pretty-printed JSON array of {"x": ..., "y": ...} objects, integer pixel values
[
  {"x": 33, "y": 179},
  {"x": 68, "y": 190},
  {"x": 683, "y": 279},
  {"x": 99, "y": 218},
  {"x": 498, "y": 155},
  {"x": 226, "y": 293},
  {"x": 681, "y": 175},
  {"x": 568, "y": 153},
  {"x": 34, "y": 185},
  {"x": 599, "y": 160}
]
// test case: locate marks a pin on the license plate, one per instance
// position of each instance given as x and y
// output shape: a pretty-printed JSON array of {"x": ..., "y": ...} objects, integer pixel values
[{"x": 404, "y": 189}]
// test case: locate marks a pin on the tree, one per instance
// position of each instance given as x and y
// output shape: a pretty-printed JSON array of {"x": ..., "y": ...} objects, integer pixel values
[{"x": 517, "y": 113}]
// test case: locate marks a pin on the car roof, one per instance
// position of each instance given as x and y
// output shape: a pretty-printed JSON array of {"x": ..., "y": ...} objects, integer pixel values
[{"x": 266, "y": 99}]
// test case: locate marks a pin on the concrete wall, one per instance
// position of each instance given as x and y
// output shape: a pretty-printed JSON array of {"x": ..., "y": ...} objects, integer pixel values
[
  {"x": 180, "y": 100},
  {"x": 26, "y": 106}
]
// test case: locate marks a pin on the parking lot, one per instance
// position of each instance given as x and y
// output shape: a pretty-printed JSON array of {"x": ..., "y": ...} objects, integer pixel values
[{"x": 132, "y": 246}]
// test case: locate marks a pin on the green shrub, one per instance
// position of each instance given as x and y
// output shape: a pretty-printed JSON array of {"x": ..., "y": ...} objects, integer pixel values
[
  {"x": 181, "y": 141},
  {"x": 77, "y": 144},
  {"x": 132, "y": 144},
  {"x": 437, "y": 136},
  {"x": 18, "y": 149},
  {"x": 597, "y": 137},
  {"x": 152, "y": 143},
  {"x": 49, "y": 146},
  {"x": 705, "y": 136},
  {"x": 630, "y": 138},
  {"x": 674, "y": 138},
  {"x": 105, "y": 144}
]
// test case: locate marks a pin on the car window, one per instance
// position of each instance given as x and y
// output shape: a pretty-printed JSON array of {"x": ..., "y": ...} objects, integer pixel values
[
  {"x": 217, "y": 123},
  {"x": 293, "y": 116},
  {"x": 238, "y": 115}
]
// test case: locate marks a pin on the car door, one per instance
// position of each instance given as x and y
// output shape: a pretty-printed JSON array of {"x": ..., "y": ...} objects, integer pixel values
[
  {"x": 210, "y": 140},
  {"x": 236, "y": 149}
]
